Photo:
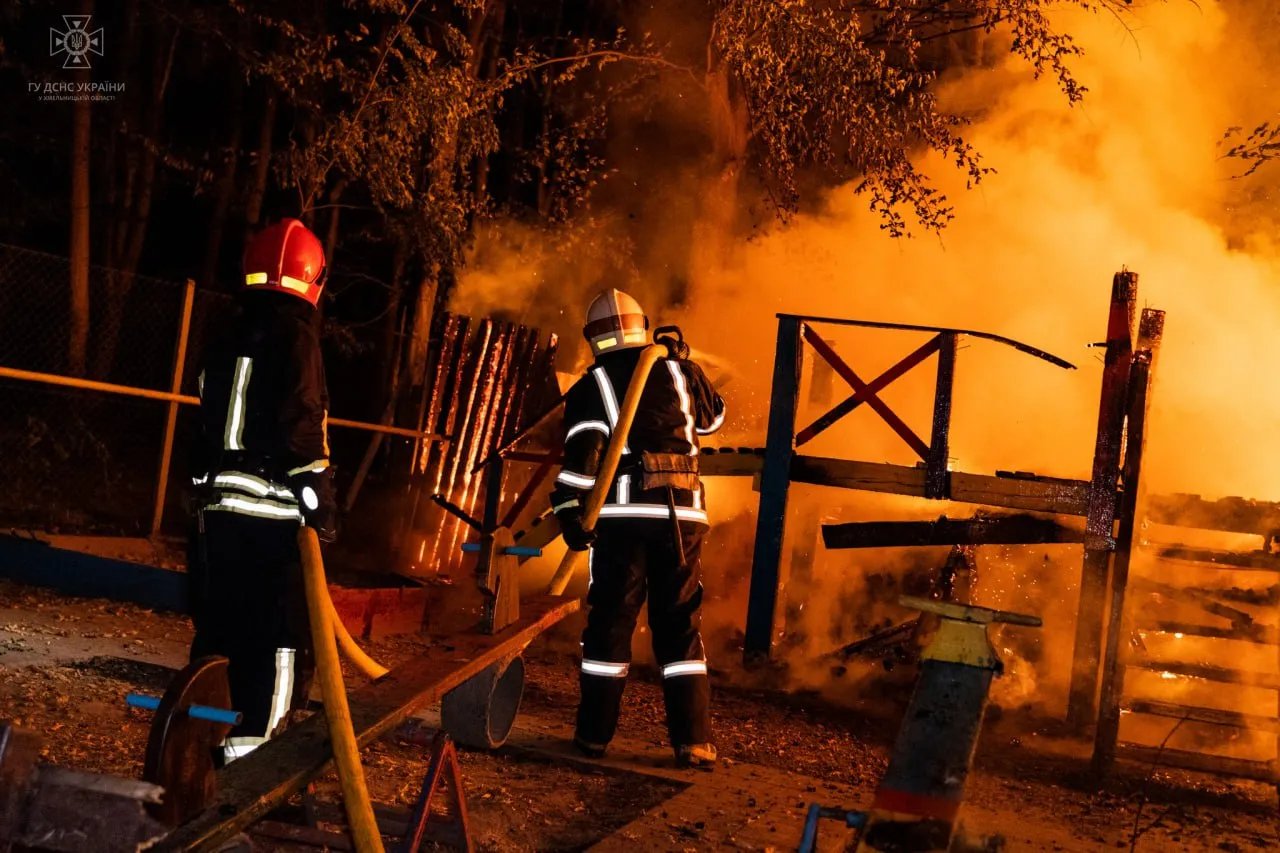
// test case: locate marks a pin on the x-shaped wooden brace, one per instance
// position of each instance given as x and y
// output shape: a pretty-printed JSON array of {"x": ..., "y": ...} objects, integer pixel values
[{"x": 867, "y": 392}]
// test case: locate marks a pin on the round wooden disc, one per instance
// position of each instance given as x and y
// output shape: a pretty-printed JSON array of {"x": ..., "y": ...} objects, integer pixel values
[{"x": 180, "y": 750}]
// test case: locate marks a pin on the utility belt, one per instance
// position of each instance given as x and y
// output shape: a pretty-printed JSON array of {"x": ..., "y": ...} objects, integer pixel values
[
  {"x": 650, "y": 470},
  {"x": 251, "y": 463},
  {"x": 667, "y": 472},
  {"x": 249, "y": 484}
]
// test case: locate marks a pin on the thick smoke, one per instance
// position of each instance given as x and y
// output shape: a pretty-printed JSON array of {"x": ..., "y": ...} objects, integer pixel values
[{"x": 1131, "y": 178}]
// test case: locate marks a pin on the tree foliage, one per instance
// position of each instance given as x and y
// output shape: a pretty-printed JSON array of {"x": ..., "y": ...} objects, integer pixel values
[
  {"x": 850, "y": 87},
  {"x": 1254, "y": 150}
]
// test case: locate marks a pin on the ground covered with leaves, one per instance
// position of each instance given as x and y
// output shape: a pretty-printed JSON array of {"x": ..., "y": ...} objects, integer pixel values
[{"x": 66, "y": 665}]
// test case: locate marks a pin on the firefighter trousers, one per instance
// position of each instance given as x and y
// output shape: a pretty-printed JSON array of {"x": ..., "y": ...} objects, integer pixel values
[
  {"x": 632, "y": 559},
  {"x": 249, "y": 605}
]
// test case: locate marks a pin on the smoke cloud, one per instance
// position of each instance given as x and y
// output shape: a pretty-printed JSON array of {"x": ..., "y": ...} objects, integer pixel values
[{"x": 1133, "y": 177}]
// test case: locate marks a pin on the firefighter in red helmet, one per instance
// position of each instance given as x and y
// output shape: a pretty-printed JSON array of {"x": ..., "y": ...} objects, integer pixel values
[
  {"x": 648, "y": 540},
  {"x": 261, "y": 463}
]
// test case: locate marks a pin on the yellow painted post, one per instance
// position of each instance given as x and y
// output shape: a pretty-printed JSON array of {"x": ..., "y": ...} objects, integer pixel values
[{"x": 171, "y": 422}]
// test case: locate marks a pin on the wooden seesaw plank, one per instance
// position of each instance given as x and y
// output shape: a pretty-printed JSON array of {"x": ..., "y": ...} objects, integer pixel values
[{"x": 254, "y": 785}]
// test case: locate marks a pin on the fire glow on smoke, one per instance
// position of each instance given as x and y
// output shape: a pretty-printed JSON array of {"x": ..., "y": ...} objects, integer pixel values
[{"x": 1131, "y": 178}]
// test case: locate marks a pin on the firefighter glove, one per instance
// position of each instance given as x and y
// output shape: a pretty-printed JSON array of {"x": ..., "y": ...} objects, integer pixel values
[
  {"x": 318, "y": 501},
  {"x": 577, "y": 537}
]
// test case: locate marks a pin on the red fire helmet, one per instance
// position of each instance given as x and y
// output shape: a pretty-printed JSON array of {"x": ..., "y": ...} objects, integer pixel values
[{"x": 287, "y": 257}]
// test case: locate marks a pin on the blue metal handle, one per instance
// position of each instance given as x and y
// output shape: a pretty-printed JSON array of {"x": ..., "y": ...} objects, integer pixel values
[
  {"x": 809, "y": 839},
  {"x": 197, "y": 712},
  {"x": 138, "y": 700},
  {"x": 215, "y": 715},
  {"x": 512, "y": 550}
]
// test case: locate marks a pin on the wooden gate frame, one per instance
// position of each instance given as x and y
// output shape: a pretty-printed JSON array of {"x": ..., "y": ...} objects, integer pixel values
[{"x": 1096, "y": 499}]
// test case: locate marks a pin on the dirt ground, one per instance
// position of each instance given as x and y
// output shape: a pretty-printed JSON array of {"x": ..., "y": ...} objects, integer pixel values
[{"x": 66, "y": 665}]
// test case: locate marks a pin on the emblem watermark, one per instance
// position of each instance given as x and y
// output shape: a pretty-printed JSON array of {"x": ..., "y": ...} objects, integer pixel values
[
  {"x": 77, "y": 41},
  {"x": 76, "y": 44}
]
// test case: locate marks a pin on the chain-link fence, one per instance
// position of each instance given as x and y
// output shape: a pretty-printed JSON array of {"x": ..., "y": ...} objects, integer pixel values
[{"x": 86, "y": 459}]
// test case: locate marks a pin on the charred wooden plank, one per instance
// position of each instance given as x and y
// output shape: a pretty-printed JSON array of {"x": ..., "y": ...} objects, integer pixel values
[
  {"x": 1208, "y": 672},
  {"x": 1038, "y": 494},
  {"x": 1259, "y": 560},
  {"x": 250, "y": 788},
  {"x": 1232, "y": 514},
  {"x": 1246, "y": 633},
  {"x": 1212, "y": 716},
  {"x": 1262, "y": 771},
  {"x": 1205, "y": 599},
  {"x": 938, "y": 477},
  {"x": 998, "y": 530},
  {"x": 729, "y": 464}
]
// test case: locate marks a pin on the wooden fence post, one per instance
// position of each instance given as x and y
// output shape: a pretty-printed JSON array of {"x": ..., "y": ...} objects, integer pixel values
[
  {"x": 1141, "y": 377},
  {"x": 775, "y": 482},
  {"x": 1100, "y": 519}
]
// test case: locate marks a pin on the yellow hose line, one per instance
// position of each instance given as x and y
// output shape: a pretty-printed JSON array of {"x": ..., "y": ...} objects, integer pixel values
[
  {"x": 350, "y": 650},
  {"x": 346, "y": 753},
  {"x": 604, "y": 477}
]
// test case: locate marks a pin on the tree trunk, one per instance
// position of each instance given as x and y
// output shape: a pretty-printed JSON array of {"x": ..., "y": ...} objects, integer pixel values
[
  {"x": 261, "y": 164},
  {"x": 224, "y": 186},
  {"x": 331, "y": 238},
  {"x": 120, "y": 116},
  {"x": 391, "y": 318},
  {"x": 80, "y": 152},
  {"x": 120, "y": 280},
  {"x": 420, "y": 336},
  {"x": 442, "y": 171}
]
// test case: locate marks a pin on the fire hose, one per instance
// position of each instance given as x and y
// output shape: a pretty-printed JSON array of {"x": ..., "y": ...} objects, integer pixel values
[
  {"x": 612, "y": 456},
  {"x": 327, "y": 632}
]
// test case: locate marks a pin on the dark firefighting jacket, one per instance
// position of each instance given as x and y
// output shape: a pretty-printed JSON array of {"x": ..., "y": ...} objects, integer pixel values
[
  {"x": 263, "y": 408},
  {"x": 678, "y": 405}
]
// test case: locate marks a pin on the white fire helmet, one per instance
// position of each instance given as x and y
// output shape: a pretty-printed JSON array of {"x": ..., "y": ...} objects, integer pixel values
[{"x": 615, "y": 321}]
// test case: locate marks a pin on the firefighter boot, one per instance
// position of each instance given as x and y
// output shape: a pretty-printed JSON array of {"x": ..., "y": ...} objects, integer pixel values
[
  {"x": 699, "y": 755},
  {"x": 587, "y": 748}
]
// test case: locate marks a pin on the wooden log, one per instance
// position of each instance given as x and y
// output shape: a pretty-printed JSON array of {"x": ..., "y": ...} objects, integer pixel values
[
  {"x": 1221, "y": 765},
  {"x": 1212, "y": 716},
  {"x": 998, "y": 530},
  {"x": 254, "y": 785}
]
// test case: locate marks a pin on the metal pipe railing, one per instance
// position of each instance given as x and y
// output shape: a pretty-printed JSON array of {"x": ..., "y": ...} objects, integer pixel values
[{"x": 188, "y": 400}]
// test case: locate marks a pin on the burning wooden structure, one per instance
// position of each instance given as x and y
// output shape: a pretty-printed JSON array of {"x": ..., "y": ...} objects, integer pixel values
[{"x": 1098, "y": 501}]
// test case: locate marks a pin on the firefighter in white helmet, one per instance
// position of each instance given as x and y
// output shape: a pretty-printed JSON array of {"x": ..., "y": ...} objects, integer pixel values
[
  {"x": 262, "y": 462},
  {"x": 648, "y": 539}
]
